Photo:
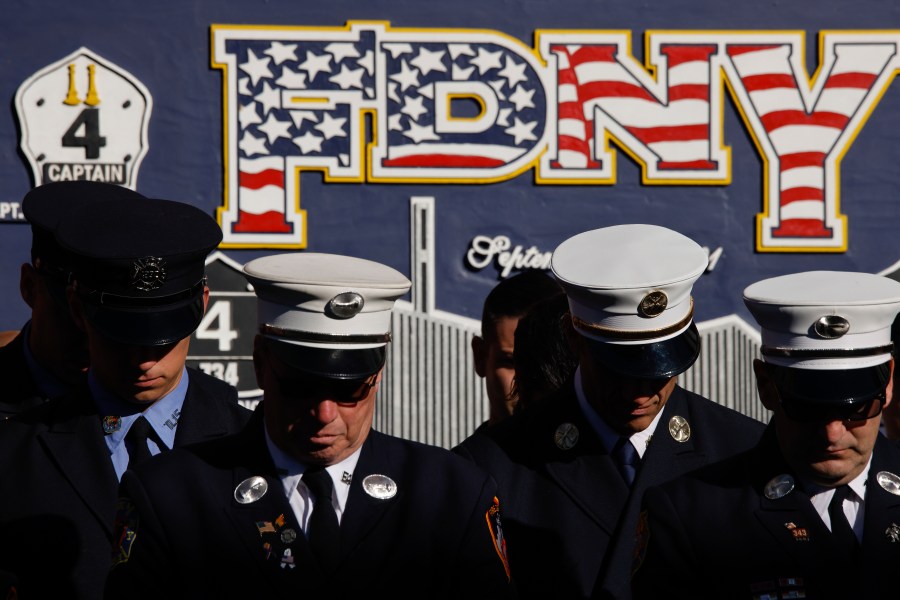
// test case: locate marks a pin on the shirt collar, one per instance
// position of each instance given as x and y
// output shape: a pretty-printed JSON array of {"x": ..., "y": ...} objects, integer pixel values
[
  {"x": 290, "y": 470},
  {"x": 163, "y": 414}
]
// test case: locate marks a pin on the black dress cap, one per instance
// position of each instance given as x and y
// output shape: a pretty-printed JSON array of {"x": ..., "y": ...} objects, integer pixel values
[{"x": 140, "y": 267}]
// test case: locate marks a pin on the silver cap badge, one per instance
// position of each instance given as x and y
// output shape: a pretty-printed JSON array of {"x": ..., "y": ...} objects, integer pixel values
[
  {"x": 346, "y": 305},
  {"x": 381, "y": 487},
  {"x": 251, "y": 490}
]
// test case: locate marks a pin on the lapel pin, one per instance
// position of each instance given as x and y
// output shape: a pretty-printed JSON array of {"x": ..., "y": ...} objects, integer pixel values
[
  {"x": 779, "y": 486},
  {"x": 800, "y": 533},
  {"x": 346, "y": 478},
  {"x": 264, "y": 527},
  {"x": 380, "y": 487},
  {"x": 679, "y": 429},
  {"x": 889, "y": 481},
  {"x": 892, "y": 533},
  {"x": 267, "y": 549},
  {"x": 288, "y": 559},
  {"x": 288, "y": 536},
  {"x": 111, "y": 424},
  {"x": 566, "y": 436},
  {"x": 251, "y": 490}
]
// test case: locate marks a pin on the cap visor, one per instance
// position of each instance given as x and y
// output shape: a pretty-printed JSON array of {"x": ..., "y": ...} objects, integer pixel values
[
  {"x": 330, "y": 362},
  {"x": 839, "y": 388},
  {"x": 147, "y": 326},
  {"x": 658, "y": 360}
]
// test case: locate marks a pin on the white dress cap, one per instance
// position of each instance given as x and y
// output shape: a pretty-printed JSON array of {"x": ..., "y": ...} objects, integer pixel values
[
  {"x": 825, "y": 320},
  {"x": 629, "y": 284},
  {"x": 325, "y": 300}
]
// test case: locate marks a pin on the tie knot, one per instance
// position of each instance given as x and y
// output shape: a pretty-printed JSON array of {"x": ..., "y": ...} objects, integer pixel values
[
  {"x": 139, "y": 430},
  {"x": 319, "y": 482},
  {"x": 841, "y": 493},
  {"x": 625, "y": 452},
  {"x": 627, "y": 459},
  {"x": 136, "y": 440}
]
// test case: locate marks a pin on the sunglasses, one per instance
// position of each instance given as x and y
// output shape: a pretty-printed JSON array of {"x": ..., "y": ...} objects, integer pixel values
[
  {"x": 852, "y": 413},
  {"x": 341, "y": 391}
]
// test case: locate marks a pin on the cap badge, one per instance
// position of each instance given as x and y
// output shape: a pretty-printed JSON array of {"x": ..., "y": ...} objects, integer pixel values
[
  {"x": 148, "y": 273},
  {"x": 653, "y": 304},
  {"x": 892, "y": 533},
  {"x": 889, "y": 482},
  {"x": 831, "y": 327},
  {"x": 346, "y": 305},
  {"x": 779, "y": 486},
  {"x": 380, "y": 487},
  {"x": 679, "y": 429},
  {"x": 250, "y": 490},
  {"x": 566, "y": 436}
]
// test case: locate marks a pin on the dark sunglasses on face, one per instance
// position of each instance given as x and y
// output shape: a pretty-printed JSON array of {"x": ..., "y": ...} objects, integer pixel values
[
  {"x": 342, "y": 391},
  {"x": 852, "y": 413}
]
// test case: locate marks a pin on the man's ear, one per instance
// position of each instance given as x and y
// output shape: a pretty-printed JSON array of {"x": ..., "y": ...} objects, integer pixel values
[
  {"x": 479, "y": 355},
  {"x": 76, "y": 308},
  {"x": 28, "y": 282},
  {"x": 768, "y": 395},
  {"x": 889, "y": 390},
  {"x": 205, "y": 297}
]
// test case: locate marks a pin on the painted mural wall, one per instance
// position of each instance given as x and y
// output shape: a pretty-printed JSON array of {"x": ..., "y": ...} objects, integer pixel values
[{"x": 767, "y": 132}]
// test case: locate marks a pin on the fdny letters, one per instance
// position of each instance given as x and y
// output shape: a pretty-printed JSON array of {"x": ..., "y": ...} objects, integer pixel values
[{"x": 368, "y": 102}]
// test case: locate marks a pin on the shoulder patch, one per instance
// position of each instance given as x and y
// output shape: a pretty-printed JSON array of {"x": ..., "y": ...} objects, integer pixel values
[
  {"x": 492, "y": 516},
  {"x": 124, "y": 530}
]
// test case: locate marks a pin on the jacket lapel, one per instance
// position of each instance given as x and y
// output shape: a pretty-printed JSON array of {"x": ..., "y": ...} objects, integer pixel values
[
  {"x": 790, "y": 519},
  {"x": 881, "y": 529},
  {"x": 75, "y": 443},
  {"x": 202, "y": 416},
  {"x": 363, "y": 511},
  {"x": 267, "y": 527},
  {"x": 585, "y": 472}
]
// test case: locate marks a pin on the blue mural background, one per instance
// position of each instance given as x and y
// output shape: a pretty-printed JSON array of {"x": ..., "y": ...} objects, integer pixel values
[{"x": 166, "y": 46}]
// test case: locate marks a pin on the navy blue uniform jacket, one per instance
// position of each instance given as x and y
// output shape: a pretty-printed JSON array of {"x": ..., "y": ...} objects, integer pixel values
[
  {"x": 714, "y": 534},
  {"x": 58, "y": 488},
  {"x": 568, "y": 515},
  {"x": 187, "y": 537}
]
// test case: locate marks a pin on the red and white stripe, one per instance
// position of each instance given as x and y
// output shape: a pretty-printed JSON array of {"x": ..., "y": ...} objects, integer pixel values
[
  {"x": 675, "y": 128},
  {"x": 261, "y": 196},
  {"x": 800, "y": 139}
]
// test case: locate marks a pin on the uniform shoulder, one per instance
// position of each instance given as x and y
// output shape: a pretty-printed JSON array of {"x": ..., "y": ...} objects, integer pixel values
[
  {"x": 432, "y": 458},
  {"x": 213, "y": 386},
  {"x": 728, "y": 418}
]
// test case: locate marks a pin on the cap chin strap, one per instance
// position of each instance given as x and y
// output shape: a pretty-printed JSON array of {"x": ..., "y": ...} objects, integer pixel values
[
  {"x": 826, "y": 352},
  {"x": 632, "y": 335},
  {"x": 324, "y": 338}
]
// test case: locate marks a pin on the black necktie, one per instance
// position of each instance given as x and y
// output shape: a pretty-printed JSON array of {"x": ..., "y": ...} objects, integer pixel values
[
  {"x": 324, "y": 531},
  {"x": 136, "y": 440},
  {"x": 626, "y": 459},
  {"x": 840, "y": 526}
]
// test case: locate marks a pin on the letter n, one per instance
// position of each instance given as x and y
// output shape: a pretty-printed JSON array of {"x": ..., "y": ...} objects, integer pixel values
[{"x": 665, "y": 122}]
